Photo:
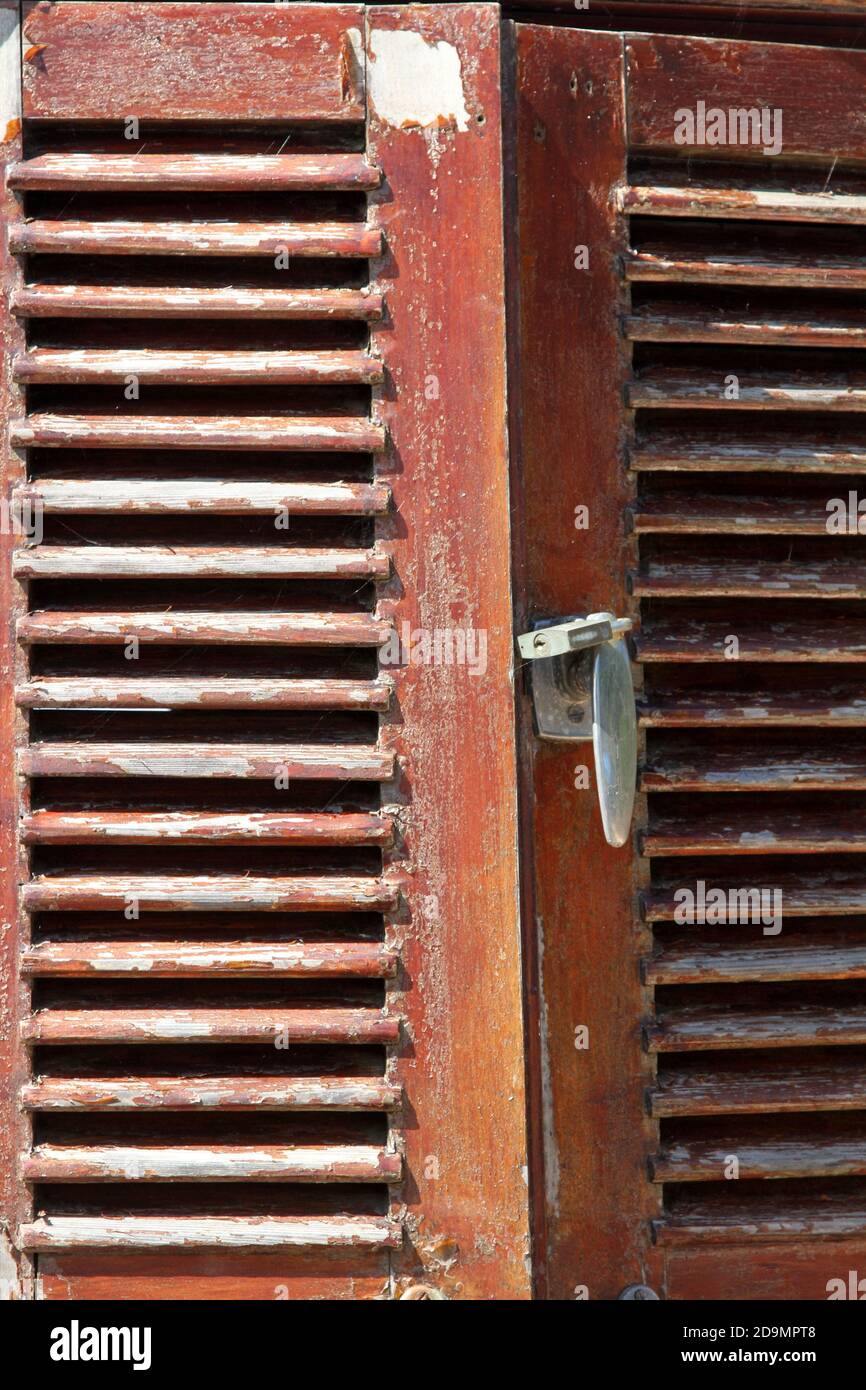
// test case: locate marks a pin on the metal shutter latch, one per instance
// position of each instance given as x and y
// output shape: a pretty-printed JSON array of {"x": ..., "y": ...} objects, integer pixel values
[{"x": 581, "y": 685}]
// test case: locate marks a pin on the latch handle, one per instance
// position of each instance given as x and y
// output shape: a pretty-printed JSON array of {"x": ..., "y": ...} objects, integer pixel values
[
  {"x": 575, "y": 635},
  {"x": 585, "y": 692}
]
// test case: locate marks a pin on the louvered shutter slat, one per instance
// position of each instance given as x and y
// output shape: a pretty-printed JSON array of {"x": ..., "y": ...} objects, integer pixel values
[{"x": 97, "y": 975}]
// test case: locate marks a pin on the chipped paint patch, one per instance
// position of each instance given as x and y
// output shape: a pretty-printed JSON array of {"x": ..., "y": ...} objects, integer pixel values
[
  {"x": 10, "y": 1283},
  {"x": 10, "y": 77},
  {"x": 414, "y": 84}
]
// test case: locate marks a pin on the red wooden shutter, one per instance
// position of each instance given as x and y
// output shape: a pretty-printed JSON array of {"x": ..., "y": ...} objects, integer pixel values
[
  {"x": 709, "y": 1141},
  {"x": 266, "y": 881}
]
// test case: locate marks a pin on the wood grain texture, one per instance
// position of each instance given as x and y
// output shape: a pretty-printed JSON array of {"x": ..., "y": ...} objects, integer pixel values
[
  {"x": 70, "y": 237},
  {"x": 196, "y": 432},
  {"x": 179, "y": 692},
  {"x": 228, "y": 62},
  {"x": 465, "y": 1196},
  {"x": 666, "y": 74},
  {"x": 15, "y": 1200},
  {"x": 571, "y": 428},
  {"x": 194, "y": 172},
  {"x": 207, "y": 1093},
  {"x": 183, "y": 302}
]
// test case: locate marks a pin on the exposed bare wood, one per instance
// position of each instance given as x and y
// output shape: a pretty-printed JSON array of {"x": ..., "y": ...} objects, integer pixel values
[
  {"x": 119, "y": 238},
  {"x": 251, "y": 497},
  {"x": 442, "y": 217},
  {"x": 266, "y": 761},
  {"x": 92, "y": 366},
  {"x": 732, "y": 515},
  {"x": 788, "y": 766},
  {"x": 699, "y": 452},
  {"x": 337, "y": 432},
  {"x": 705, "y": 1028},
  {"x": 687, "y": 639},
  {"x": 723, "y": 1086},
  {"x": 749, "y": 831},
  {"x": 250, "y": 628},
  {"x": 203, "y": 892},
  {"x": 783, "y": 270},
  {"x": 226, "y": 1232},
  {"x": 667, "y": 73},
  {"x": 672, "y": 322},
  {"x": 825, "y": 1216},
  {"x": 839, "y": 579},
  {"x": 212, "y": 1163},
  {"x": 240, "y": 1025},
  {"x": 811, "y": 890},
  {"x": 787, "y": 1149},
  {"x": 202, "y": 302},
  {"x": 775, "y": 205},
  {"x": 838, "y": 707},
  {"x": 203, "y": 1093},
  {"x": 206, "y": 827},
  {"x": 209, "y": 959},
  {"x": 669, "y": 388},
  {"x": 703, "y": 957},
  {"x": 282, "y": 63},
  {"x": 206, "y": 562},
  {"x": 217, "y": 692},
  {"x": 189, "y": 172}
]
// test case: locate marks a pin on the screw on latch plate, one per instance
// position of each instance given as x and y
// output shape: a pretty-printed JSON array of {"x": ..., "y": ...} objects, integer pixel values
[{"x": 638, "y": 1293}]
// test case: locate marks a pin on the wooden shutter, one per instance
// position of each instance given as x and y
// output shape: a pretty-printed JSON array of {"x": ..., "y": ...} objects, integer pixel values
[
  {"x": 251, "y": 919},
  {"x": 699, "y": 388}
]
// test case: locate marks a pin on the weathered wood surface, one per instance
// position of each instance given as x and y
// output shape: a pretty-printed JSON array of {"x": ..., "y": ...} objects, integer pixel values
[
  {"x": 204, "y": 893},
  {"x": 92, "y": 366},
  {"x": 732, "y": 514},
  {"x": 674, "y": 321},
  {"x": 253, "y": 497},
  {"x": 702, "y": 449},
  {"x": 97, "y": 62},
  {"x": 15, "y": 1199},
  {"x": 212, "y": 1163},
  {"x": 696, "y": 265},
  {"x": 842, "y": 706},
  {"x": 199, "y": 562},
  {"x": 246, "y": 628},
  {"x": 685, "y": 639},
  {"x": 192, "y": 172},
  {"x": 787, "y": 1150},
  {"x": 705, "y": 1028},
  {"x": 673, "y": 389},
  {"x": 751, "y": 204},
  {"x": 199, "y": 302},
  {"x": 184, "y": 1232},
  {"x": 704, "y": 765},
  {"x": 757, "y": 831},
  {"x": 826, "y": 579},
  {"x": 196, "y": 432},
  {"x": 665, "y": 74},
  {"x": 810, "y": 891},
  {"x": 206, "y": 827},
  {"x": 724, "y": 1086},
  {"x": 211, "y": 1092},
  {"x": 218, "y": 692},
  {"x": 193, "y": 960},
  {"x": 443, "y": 346},
  {"x": 830, "y": 1216},
  {"x": 819, "y": 954},
  {"x": 247, "y": 1025},
  {"x": 569, "y": 439}
]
